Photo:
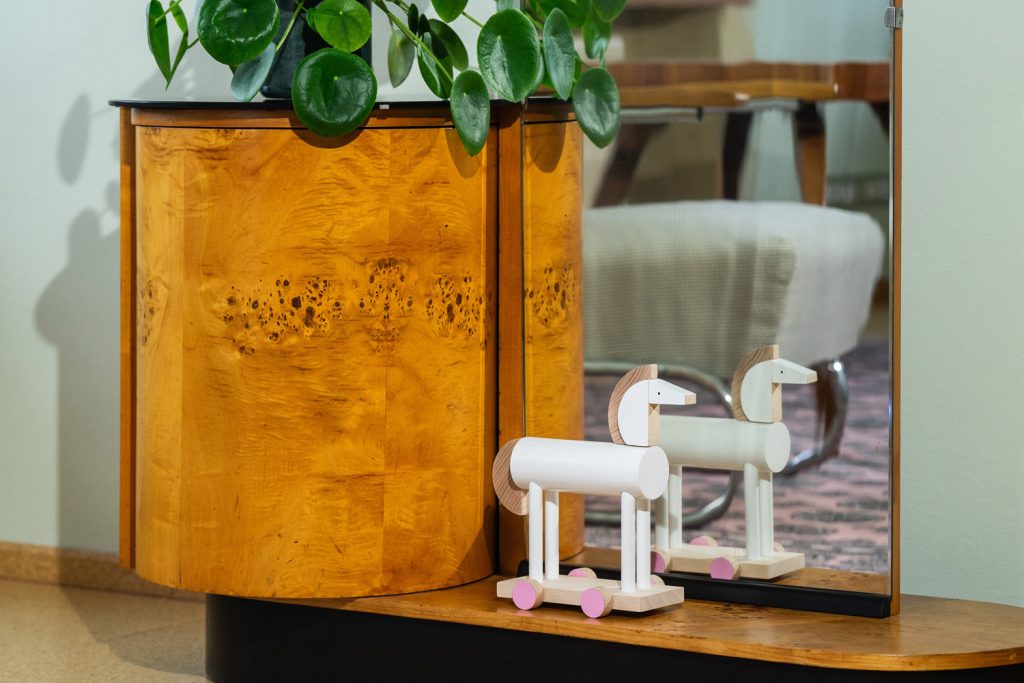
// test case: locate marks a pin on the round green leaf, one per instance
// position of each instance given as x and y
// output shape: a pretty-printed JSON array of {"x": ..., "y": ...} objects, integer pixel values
[
  {"x": 249, "y": 77},
  {"x": 596, "y": 34},
  {"x": 333, "y": 91},
  {"x": 596, "y": 103},
  {"x": 471, "y": 110},
  {"x": 509, "y": 54},
  {"x": 559, "y": 53},
  {"x": 237, "y": 31},
  {"x": 608, "y": 10},
  {"x": 344, "y": 24},
  {"x": 401, "y": 55},
  {"x": 449, "y": 10},
  {"x": 452, "y": 43}
]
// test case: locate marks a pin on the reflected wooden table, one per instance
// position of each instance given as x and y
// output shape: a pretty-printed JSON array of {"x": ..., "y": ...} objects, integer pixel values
[{"x": 651, "y": 90}]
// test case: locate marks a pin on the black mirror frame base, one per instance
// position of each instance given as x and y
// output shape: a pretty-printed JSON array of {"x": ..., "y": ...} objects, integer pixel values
[{"x": 763, "y": 593}]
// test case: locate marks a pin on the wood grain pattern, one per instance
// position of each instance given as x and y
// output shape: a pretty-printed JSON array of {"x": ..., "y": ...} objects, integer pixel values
[
  {"x": 511, "y": 497},
  {"x": 512, "y": 529},
  {"x": 644, "y": 372},
  {"x": 285, "y": 117},
  {"x": 316, "y": 365},
  {"x": 126, "y": 526},
  {"x": 930, "y": 634},
  {"x": 552, "y": 295},
  {"x": 895, "y": 305},
  {"x": 750, "y": 360}
]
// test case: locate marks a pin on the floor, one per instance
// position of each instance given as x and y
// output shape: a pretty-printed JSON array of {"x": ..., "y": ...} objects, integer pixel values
[{"x": 55, "y": 633}]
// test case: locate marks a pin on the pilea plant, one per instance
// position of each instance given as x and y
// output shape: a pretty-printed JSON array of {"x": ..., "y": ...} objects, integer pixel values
[{"x": 333, "y": 90}]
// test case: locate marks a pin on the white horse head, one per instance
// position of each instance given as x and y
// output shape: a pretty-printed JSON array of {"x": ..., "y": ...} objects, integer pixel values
[
  {"x": 634, "y": 408},
  {"x": 756, "y": 385}
]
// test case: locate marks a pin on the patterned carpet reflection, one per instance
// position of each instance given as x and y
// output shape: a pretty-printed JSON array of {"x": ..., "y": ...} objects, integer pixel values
[{"x": 836, "y": 513}]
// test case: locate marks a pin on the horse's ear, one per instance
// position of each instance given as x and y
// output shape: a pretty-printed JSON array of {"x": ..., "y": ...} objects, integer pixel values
[
  {"x": 635, "y": 375},
  {"x": 758, "y": 355}
]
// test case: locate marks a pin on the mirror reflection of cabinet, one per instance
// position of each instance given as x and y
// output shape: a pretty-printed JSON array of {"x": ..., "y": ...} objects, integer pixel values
[{"x": 802, "y": 122}]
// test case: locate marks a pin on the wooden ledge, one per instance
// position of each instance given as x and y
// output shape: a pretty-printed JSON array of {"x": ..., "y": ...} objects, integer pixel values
[
  {"x": 279, "y": 114},
  {"x": 930, "y": 634}
]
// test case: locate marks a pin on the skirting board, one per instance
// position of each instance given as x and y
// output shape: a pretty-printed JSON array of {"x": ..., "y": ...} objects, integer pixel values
[{"x": 81, "y": 568}]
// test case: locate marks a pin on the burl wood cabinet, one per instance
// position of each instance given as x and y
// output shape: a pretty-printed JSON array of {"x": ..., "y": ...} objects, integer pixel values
[{"x": 324, "y": 342}]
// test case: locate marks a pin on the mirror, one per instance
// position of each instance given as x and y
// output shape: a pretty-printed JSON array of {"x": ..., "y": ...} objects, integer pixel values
[{"x": 745, "y": 203}]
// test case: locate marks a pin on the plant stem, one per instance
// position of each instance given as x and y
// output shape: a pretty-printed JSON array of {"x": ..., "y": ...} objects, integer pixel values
[
  {"x": 414, "y": 38},
  {"x": 170, "y": 8},
  {"x": 535, "y": 20},
  {"x": 466, "y": 14},
  {"x": 288, "y": 30}
]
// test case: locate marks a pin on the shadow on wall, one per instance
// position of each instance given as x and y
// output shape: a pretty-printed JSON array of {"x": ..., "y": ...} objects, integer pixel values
[{"x": 79, "y": 314}]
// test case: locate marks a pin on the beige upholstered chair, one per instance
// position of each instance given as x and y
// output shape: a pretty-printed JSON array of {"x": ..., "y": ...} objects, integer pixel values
[{"x": 694, "y": 285}]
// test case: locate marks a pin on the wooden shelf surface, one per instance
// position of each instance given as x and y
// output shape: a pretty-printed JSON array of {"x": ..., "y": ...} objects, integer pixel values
[{"x": 930, "y": 633}]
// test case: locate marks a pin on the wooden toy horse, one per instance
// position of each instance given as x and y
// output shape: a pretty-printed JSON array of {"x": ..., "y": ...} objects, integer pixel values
[
  {"x": 530, "y": 472},
  {"x": 757, "y": 443}
]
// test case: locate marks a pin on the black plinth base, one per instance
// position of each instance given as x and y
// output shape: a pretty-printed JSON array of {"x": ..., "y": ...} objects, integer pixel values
[{"x": 252, "y": 641}]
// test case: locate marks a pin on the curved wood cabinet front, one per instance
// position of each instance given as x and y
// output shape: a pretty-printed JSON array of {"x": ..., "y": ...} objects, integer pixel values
[{"x": 315, "y": 352}]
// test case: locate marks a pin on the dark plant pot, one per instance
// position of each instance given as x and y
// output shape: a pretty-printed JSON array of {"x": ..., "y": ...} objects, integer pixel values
[{"x": 301, "y": 42}]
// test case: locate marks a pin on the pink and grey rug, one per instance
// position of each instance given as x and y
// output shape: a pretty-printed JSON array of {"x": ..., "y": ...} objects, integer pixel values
[{"x": 836, "y": 513}]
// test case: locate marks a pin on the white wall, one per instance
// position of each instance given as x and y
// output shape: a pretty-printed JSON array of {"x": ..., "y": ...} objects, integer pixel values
[
  {"x": 963, "y": 326},
  {"x": 59, "y": 262},
  {"x": 62, "y": 61},
  {"x": 816, "y": 31},
  {"x": 963, "y": 300}
]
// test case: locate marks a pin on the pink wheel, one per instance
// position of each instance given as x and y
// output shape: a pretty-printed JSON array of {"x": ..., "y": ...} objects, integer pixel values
[
  {"x": 658, "y": 562},
  {"x": 724, "y": 568},
  {"x": 527, "y": 594},
  {"x": 703, "y": 540},
  {"x": 595, "y": 603},
  {"x": 583, "y": 572}
]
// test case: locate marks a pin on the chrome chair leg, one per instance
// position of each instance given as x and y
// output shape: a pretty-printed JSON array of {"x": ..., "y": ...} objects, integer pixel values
[
  {"x": 836, "y": 393},
  {"x": 833, "y": 373}
]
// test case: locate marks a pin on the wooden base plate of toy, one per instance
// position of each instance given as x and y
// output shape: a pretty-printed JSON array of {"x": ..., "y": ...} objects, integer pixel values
[
  {"x": 703, "y": 556},
  {"x": 596, "y": 597}
]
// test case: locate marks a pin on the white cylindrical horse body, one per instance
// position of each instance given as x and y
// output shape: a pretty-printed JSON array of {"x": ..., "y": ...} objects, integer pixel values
[
  {"x": 721, "y": 444},
  {"x": 591, "y": 467}
]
